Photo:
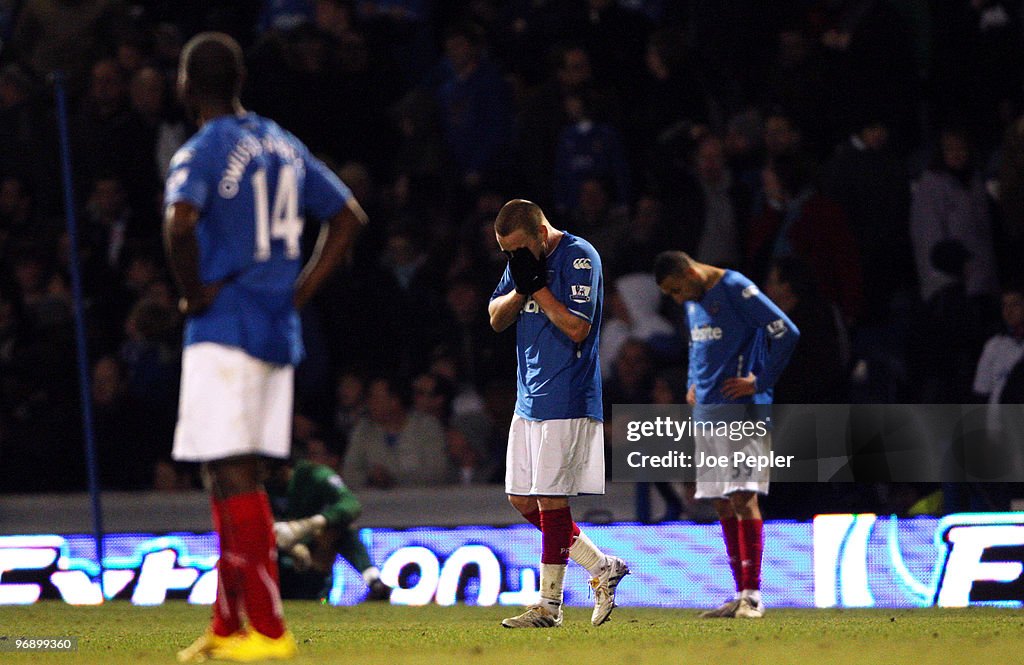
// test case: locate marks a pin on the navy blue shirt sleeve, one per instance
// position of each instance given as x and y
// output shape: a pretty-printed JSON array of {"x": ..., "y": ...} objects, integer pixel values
[{"x": 759, "y": 312}]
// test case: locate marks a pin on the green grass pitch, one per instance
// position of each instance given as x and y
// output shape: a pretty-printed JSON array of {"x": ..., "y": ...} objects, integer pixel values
[{"x": 119, "y": 633}]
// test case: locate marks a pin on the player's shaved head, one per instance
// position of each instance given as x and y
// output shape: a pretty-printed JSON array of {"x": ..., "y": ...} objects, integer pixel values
[
  {"x": 519, "y": 215},
  {"x": 671, "y": 263},
  {"x": 212, "y": 68}
]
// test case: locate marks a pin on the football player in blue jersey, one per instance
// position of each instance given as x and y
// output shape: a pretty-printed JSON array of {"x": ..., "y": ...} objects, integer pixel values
[
  {"x": 235, "y": 198},
  {"x": 553, "y": 291},
  {"x": 740, "y": 342}
]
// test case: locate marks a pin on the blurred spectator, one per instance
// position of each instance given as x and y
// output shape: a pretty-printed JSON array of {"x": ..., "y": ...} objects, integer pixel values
[
  {"x": 796, "y": 79},
  {"x": 947, "y": 334},
  {"x": 283, "y": 15},
  {"x": 632, "y": 375},
  {"x": 126, "y": 447},
  {"x": 1010, "y": 245},
  {"x": 27, "y": 140},
  {"x": 151, "y": 362},
  {"x": 973, "y": 42},
  {"x": 869, "y": 63},
  {"x": 588, "y": 150},
  {"x": 868, "y": 179},
  {"x": 67, "y": 35},
  {"x": 110, "y": 138},
  {"x": 633, "y": 306},
  {"x": 350, "y": 402},
  {"x": 410, "y": 287},
  {"x": 818, "y": 369},
  {"x": 782, "y": 135},
  {"x": 466, "y": 434},
  {"x": 17, "y": 218},
  {"x": 796, "y": 220},
  {"x": 744, "y": 144},
  {"x": 110, "y": 220},
  {"x": 474, "y": 105},
  {"x": 1002, "y": 351},
  {"x": 148, "y": 93},
  {"x": 544, "y": 115},
  {"x": 949, "y": 203},
  {"x": 673, "y": 92},
  {"x": 597, "y": 219},
  {"x": 614, "y": 37},
  {"x": 393, "y": 446},
  {"x": 650, "y": 232},
  {"x": 723, "y": 207},
  {"x": 482, "y": 354}
]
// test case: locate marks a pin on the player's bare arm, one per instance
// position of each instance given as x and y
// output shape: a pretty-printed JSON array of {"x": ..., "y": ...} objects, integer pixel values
[
  {"x": 183, "y": 254},
  {"x": 335, "y": 240},
  {"x": 504, "y": 310},
  {"x": 575, "y": 327}
]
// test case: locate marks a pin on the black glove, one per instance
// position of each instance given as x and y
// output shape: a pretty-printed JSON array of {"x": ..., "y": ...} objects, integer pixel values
[{"x": 529, "y": 273}]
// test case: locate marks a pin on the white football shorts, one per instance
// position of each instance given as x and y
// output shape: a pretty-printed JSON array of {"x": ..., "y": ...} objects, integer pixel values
[
  {"x": 718, "y": 483},
  {"x": 232, "y": 404},
  {"x": 555, "y": 457}
]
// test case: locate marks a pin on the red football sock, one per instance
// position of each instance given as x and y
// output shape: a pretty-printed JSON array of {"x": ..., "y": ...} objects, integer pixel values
[
  {"x": 751, "y": 547},
  {"x": 556, "y": 535},
  {"x": 731, "y": 535},
  {"x": 226, "y": 610},
  {"x": 534, "y": 519},
  {"x": 253, "y": 536}
]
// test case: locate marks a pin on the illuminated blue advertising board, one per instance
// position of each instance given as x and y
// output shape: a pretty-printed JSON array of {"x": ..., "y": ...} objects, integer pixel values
[{"x": 835, "y": 561}]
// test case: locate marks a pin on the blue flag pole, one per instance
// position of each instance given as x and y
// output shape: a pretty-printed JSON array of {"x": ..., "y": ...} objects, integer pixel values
[{"x": 59, "y": 80}]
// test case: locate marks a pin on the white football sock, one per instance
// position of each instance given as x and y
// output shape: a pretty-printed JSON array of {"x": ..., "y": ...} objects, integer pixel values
[
  {"x": 585, "y": 553},
  {"x": 753, "y": 594},
  {"x": 371, "y": 575},
  {"x": 552, "y": 579}
]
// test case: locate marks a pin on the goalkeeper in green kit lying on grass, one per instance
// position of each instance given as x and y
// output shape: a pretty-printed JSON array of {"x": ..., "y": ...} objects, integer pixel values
[{"x": 313, "y": 516}]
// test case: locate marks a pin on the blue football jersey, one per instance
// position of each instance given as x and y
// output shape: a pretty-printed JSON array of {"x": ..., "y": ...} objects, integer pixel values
[
  {"x": 558, "y": 378},
  {"x": 252, "y": 183},
  {"x": 735, "y": 330}
]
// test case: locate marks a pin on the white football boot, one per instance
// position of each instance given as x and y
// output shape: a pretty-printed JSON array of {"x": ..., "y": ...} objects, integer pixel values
[
  {"x": 535, "y": 616},
  {"x": 749, "y": 608},
  {"x": 604, "y": 589}
]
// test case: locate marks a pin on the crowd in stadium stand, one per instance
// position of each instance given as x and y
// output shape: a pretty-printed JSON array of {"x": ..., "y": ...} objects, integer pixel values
[{"x": 862, "y": 160}]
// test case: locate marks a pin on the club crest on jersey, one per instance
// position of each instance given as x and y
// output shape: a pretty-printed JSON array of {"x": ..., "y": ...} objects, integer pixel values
[
  {"x": 713, "y": 308},
  {"x": 582, "y": 264},
  {"x": 579, "y": 293}
]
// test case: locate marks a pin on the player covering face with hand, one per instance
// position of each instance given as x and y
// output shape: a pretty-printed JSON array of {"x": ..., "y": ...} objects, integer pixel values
[
  {"x": 553, "y": 292},
  {"x": 740, "y": 342}
]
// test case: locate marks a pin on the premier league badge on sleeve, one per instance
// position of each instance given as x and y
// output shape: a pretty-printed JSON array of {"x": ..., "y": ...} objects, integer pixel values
[{"x": 580, "y": 293}]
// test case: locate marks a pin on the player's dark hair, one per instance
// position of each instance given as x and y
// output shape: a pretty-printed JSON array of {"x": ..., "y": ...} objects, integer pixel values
[
  {"x": 671, "y": 263},
  {"x": 214, "y": 66},
  {"x": 519, "y": 214}
]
